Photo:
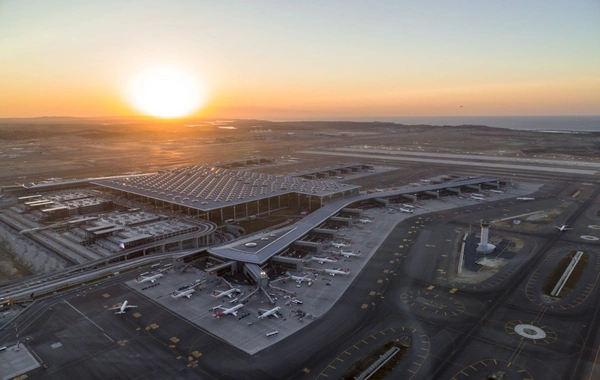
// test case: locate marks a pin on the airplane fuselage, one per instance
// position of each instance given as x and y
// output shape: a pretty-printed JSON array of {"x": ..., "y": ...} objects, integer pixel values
[
  {"x": 185, "y": 293},
  {"x": 231, "y": 310},
  {"x": 270, "y": 312}
]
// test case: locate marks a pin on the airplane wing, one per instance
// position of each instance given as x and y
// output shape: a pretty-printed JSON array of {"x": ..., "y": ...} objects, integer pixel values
[
  {"x": 128, "y": 306},
  {"x": 234, "y": 313},
  {"x": 115, "y": 308}
]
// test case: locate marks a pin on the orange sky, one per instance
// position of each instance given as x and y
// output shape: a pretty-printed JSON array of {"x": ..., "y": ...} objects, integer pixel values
[{"x": 308, "y": 60}]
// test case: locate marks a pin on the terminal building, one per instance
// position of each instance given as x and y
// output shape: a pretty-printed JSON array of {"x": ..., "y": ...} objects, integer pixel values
[
  {"x": 215, "y": 195},
  {"x": 218, "y": 194}
]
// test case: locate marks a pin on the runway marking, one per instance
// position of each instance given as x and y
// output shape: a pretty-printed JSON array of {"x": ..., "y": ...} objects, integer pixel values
[
  {"x": 106, "y": 295},
  {"x": 92, "y": 322},
  {"x": 108, "y": 337}
]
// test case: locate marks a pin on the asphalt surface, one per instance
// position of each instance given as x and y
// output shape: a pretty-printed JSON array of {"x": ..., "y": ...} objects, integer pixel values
[{"x": 459, "y": 330}]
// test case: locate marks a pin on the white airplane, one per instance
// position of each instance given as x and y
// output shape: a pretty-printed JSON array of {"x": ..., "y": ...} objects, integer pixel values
[
  {"x": 407, "y": 206},
  {"x": 333, "y": 272},
  {"x": 339, "y": 245},
  {"x": 231, "y": 310},
  {"x": 306, "y": 278},
  {"x": 186, "y": 293},
  {"x": 153, "y": 278},
  {"x": 349, "y": 253},
  {"x": 122, "y": 308},
  {"x": 407, "y": 210},
  {"x": 563, "y": 228},
  {"x": 228, "y": 293},
  {"x": 525, "y": 199},
  {"x": 477, "y": 196},
  {"x": 266, "y": 313},
  {"x": 322, "y": 260},
  {"x": 496, "y": 191},
  {"x": 365, "y": 220}
]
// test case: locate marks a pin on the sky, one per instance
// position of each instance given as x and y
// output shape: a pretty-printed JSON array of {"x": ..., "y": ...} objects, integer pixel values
[{"x": 305, "y": 59}]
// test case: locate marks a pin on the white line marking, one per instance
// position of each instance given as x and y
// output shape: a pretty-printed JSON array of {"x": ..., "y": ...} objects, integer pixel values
[{"x": 84, "y": 316}]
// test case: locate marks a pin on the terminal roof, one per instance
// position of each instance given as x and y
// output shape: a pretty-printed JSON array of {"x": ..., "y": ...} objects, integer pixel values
[{"x": 207, "y": 187}]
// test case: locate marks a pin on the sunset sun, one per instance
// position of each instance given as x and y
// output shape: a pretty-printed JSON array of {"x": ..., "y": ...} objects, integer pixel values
[{"x": 166, "y": 92}]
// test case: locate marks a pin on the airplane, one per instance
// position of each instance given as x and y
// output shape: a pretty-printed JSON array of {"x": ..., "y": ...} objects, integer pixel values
[
  {"x": 339, "y": 245},
  {"x": 228, "y": 293},
  {"x": 349, "y": 253},
  {"x": 231, "y": 310},
  {"x": 525, "y": 199},
  {"x": 122, "y": 308},
  {"x": 322, "y": 260},
  {"x": 306, "y": 278},
  {"x": 407, "y": 210},
  {"x": 407, "y": 206},
  {"x": 496, "y": 191},
  {"x": 333, "y": 272},
  {"x": 153, "y": 278},
  {"x": 365, "y": 220},
  {"x": 186, "y": 293},
  {"x": 563, "y": 228},
  {"x": 266, "y": 313}
]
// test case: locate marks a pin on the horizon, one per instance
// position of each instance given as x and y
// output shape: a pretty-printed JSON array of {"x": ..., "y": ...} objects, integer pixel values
[{"x": 308, "y": 61}]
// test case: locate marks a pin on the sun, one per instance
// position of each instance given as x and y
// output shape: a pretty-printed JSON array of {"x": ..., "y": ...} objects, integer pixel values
[{"x": 166, "y": 92}]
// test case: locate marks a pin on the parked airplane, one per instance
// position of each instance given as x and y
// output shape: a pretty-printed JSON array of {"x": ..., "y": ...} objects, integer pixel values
[
  {"x": 349, "y": 253},
  {"x": 231, "y": 310},
  {"x": 322, "y": 260},
  {"x": 496, "y": 191},
  {"x": 339, "y": 245},
  {"x": 477, "y": 196},
  {"x": 365, "y": 220},
  {"x": 525, "y": 199},
  {"x": 152, "y": 278},
  {"x": 407, "y": 210},
  {"x": 266, "y": 313},
  {"x": 228, "y": 293},
  {"x": 563, "y": 228},
  {"x": 333, "y": 272},
  {"x": 122, "y": 308},
  {"x": 186, "y": 293},
  {"x": 306, "y": 278},
  {"x": 407, "y": 206}
]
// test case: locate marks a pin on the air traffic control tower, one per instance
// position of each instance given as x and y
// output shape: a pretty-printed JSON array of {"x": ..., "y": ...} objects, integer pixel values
[{"x": 484, "y": 246}]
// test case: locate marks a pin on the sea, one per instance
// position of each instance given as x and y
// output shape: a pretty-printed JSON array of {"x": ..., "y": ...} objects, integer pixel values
[{"x": 564, "y": 124}]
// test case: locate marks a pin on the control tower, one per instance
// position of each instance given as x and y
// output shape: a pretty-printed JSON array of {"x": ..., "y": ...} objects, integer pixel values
[{"x": 484, "y": 246}]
